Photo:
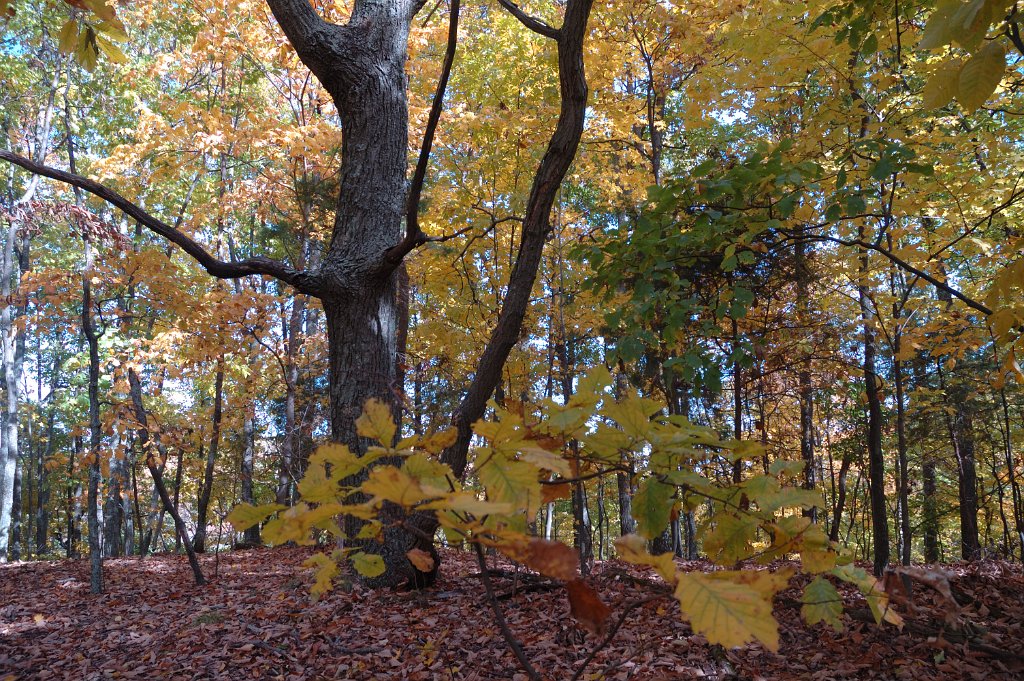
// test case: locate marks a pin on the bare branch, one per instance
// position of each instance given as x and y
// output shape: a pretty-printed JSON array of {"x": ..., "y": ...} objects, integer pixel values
[
  {"x": 510, "y": 639},
  {"x": 532, "y": 23},
  {"x": 902, "y": 264},
  {"x": 303, "y": 281}
]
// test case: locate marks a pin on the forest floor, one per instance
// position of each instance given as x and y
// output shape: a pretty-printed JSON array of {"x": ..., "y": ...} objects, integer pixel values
[{"x": 255, "y": 620}]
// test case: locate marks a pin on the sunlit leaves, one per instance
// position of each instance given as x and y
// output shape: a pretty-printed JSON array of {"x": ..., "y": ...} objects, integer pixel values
[
  {"x": 377, "y": 423},
  {"x": 980, "y": 75},
  {"x": 243, "y": 516}
]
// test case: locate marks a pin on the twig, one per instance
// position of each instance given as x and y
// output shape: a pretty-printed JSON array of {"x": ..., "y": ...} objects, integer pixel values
[
  {"x": 510, "y": 639},
  {"x": 630, "y": 607}
]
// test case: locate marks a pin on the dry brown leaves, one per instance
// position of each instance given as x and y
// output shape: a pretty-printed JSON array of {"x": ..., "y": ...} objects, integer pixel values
[{"x": 256, "y": 621}]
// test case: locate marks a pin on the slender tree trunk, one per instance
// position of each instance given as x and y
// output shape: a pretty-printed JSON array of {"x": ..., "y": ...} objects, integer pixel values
[
  {"x": 12, "y": 375},
  {"x": 840, "y": 498},
  {"x": 158, "y": 478},
  {"x": 95, "y": 431},
  {"x": 199, "y": 543},
  {"x": 876, "y": 458},
  {"x": 930, "y": 513},
  {"x": 251, "y": 536},
  {"x": 806, "y": 388},
  {"x": 290, "y": 444}
]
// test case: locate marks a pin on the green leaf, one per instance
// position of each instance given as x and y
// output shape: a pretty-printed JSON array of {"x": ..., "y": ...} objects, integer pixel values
[
  {"x": 513, "y": 482},
  {"x": 243, "y": 516},
  {"x": 732, "y": 537},
  {"x": 787, "y": 468},
  {"x": 877, "y": 598},
  {"x": 652, "y": 507},
  {"x": 367, "y": 564},
  {"x": 821, "y": 603},
  {"x": 981, "y": 75}
]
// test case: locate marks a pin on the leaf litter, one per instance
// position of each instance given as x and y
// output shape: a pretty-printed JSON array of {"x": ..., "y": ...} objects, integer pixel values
[{"x": 256, "y": 620}]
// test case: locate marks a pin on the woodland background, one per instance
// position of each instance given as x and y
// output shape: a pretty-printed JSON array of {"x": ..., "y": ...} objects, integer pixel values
[{"x": 778, "y": 226}]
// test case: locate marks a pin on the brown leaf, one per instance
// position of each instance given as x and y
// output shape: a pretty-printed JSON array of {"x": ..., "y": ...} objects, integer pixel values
[
  {"x": 586, "y": 606},
  {"x": 549, "y": 493},
  {"x": 552, "y": 559},
  {"x": 422, "y": 560}
]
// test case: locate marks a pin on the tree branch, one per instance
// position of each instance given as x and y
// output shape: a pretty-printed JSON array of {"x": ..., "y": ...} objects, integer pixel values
[
  {"x": 517, "y": 649},
  {"x": 553, "y": 167},
  {"x": 303, "y": 281},
  {"x": 532, "y": 23},
  {"x": 902, "y": 264},
  {"x": 414, "y": 236}
]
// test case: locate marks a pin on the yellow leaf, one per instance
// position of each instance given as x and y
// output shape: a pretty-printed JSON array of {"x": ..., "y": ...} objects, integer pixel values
[
  {"x": 549, "y": 461},
  {"x": 980, "y": 76},
  {"x": 632, "y": 548},
  {"x": 938, "y": 31},
  {"x": 729, "y": 611},
  {"x": 243, "y": 516},
  {"x": 512, "y": 482},
  {"x": 367, "y": 564},
  {"x": 68, "y": 40},
  {"x": 467, "y": 502},
  {"x": 942, "y": 86},
  {"x": 377, "y": 423},
  {"x": 326, "y": 570},
  {"x": 388, "y": 483}
]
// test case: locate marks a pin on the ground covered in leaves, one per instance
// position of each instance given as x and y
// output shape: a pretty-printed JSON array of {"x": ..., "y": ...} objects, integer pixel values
[{"x": 256, "y": 621}]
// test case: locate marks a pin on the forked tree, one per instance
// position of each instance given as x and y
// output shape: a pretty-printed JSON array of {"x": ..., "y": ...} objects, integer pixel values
[{"x": 361, "y": 64}]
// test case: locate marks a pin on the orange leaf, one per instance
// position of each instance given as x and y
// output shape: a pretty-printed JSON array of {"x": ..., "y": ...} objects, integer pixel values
[
  {"x": 552, "y": 558},
  {"x": 422, "y": 560},
  {"x": 549, "y": 493},
  {"x": 586, "y": 606}
]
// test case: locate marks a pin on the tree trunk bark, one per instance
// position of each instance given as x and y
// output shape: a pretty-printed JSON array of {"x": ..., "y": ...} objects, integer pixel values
[
  {"x": 95, "y": 431},
  {"x": 251, "y": 537},
  {"x": 876, "y": 460},
  {"x": 203, "y": 505},
  {"x": 806, "y": 388}
]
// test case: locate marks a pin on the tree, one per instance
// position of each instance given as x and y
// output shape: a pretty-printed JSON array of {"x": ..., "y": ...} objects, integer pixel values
[{"x": 361, "y": 63}]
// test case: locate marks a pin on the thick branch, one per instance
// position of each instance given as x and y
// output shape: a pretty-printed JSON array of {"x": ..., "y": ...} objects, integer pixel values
[
  {"x": 532, "y": 23},
  {"x": 414, "y": 236},
  {"x": 303, "y": 281},
  {"x": 536, "y": 226},
  {"x": 312, "y": 37}
]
